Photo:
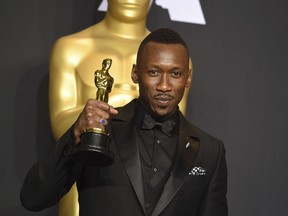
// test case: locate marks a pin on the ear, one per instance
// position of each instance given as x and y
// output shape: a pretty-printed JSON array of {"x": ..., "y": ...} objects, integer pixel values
[
  {"x": 189, "y": 79},
  {"x": 190, "y": 72},
  {"x": 134, "y": 74}
]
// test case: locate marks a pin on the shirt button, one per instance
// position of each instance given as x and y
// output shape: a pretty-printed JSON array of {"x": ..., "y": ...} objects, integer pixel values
[
  {"x": 147, "y": 205},
  {"x": 155, "y": 169},
  {"x": 158, "y": 141}
]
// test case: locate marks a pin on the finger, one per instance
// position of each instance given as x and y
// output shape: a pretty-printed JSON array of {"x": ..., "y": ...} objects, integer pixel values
[
  {"x": 97, "y": 113},
  {"x": 105, "y": 106},
  {"x": 113, "y": 111},
  {"x": 96, "y": 122},
  {"x": 94, "y": 108},
  {"x": 103, "y": 121},
  {"x": 100, "y": 104}
]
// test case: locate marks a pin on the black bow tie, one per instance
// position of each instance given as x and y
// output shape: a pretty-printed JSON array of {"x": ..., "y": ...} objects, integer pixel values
[{"x": 166, "y": 126}]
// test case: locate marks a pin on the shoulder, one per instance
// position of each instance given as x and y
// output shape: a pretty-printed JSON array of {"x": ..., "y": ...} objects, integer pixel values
[
  {"x": 205, "y": 136},
  {"x": 69, "y": 43},
  {"x": 70, "y": 49},
  {"x": 78, "y": 39},
  {"x": 207, "y": 141},
  {"x": 210, "y": 151}
]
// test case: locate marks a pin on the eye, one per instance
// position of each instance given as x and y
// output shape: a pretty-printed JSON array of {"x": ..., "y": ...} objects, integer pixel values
[
  {"x": 176, "y": 74},
  {"x": 153, "y": 72}
]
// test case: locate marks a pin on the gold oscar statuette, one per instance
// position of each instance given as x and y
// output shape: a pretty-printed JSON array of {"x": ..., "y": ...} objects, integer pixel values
[{"x": 93, "y": 149}]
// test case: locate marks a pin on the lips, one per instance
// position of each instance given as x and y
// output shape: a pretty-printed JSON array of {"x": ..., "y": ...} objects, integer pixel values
[
  {"x": 163, "y": 99},
  {"x": 131, "y": 5}
]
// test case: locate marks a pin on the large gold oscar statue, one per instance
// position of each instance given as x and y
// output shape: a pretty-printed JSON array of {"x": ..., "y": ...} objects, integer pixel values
[{"x": 75, "y": 58}]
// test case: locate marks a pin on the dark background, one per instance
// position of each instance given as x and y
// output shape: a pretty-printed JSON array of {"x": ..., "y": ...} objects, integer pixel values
[{"x": 239, "y": 91}]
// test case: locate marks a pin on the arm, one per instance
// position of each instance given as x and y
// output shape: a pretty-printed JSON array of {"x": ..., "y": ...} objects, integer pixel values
[
  {"x": 52, "y": 177},
  {"x": 49, "y": 179},
  {"x": 215, "y": 202}
]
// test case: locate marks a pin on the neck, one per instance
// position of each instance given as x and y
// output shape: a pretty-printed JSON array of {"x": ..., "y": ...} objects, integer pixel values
[{"x": 128, "y": 30}]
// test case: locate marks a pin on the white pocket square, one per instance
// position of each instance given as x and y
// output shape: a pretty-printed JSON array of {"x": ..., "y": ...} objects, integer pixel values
[{"x": 197, "y": 171}]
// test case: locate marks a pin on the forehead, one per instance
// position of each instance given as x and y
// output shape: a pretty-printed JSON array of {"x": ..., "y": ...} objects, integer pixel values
[{"x": 164, "y": 52}]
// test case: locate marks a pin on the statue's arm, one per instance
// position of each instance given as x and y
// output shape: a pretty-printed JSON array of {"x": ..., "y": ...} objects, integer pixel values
[{"x": 62, "y": 87}]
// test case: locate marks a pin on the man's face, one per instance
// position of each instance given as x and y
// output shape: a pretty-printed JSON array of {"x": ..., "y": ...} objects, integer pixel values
[{"x": 163, "y": 74}]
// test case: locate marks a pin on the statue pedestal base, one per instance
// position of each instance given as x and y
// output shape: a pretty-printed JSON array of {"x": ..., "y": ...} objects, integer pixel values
[{"x": 93, "y": 150}]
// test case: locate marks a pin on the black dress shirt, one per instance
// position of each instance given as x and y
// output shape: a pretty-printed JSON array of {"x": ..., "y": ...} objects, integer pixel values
[{"x": 157, "y": 154}]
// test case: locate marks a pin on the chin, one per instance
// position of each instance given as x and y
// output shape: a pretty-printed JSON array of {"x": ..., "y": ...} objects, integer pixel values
[{"x": 163, "y": 112}]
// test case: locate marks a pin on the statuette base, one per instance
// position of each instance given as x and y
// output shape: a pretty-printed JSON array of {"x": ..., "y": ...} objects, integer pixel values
[{"x": 93, "y": 150}]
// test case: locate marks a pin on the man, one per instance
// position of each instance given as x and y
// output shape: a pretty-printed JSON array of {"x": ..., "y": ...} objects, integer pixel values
[{"x": 163, "y": 164}]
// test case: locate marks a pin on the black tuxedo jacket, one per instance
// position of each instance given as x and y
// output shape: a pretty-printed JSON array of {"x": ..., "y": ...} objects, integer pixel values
[{"x": 196, "y": 187}]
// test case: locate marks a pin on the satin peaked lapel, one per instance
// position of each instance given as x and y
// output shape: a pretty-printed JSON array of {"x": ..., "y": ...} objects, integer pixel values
[
  {"x": 187, "y": 152},
  {"x": 129, "y": 154}
]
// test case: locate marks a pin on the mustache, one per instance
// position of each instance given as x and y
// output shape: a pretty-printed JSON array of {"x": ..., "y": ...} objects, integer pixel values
[{"x": 163, "y": 95}]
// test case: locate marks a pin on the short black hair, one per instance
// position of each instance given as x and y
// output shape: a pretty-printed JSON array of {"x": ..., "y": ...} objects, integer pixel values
[{"x": 162, "y": 36}]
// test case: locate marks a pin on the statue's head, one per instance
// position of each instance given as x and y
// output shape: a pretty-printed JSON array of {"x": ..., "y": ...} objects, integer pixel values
[
  {"x": 127, "y": 10},
  {"x": 106, "y": 63}
]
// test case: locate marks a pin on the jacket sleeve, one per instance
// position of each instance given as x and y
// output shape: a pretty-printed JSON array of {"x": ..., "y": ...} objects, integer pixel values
[
  {"x": 215, "y": 201},
  {"x": 52, "y": 177}
]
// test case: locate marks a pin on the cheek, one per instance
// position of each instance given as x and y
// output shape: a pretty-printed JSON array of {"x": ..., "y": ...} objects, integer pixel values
[
  {"x": 179, "y": 92},
  {"x": 145, "y": 90},
  {"x": 179, "y": 86},
  {"x": 148, "y": 84}
]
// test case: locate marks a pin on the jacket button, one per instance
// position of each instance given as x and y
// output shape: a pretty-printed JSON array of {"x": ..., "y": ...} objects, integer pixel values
[{"x": 147, "y": 205}]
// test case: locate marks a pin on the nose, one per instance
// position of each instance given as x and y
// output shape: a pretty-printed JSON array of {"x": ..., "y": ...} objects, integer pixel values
[{"x": 164, "y": 84}]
